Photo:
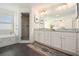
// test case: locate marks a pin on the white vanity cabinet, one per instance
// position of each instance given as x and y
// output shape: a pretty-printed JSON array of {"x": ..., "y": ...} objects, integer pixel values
[
  {"x": 69, "y": 41},
  {"x": 64, "y": 41},
  {"x": 56, "y": 39}
]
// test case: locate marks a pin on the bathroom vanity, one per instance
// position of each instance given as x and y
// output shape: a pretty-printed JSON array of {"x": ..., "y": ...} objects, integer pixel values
[
  {"x": 60, "y": 28},
  {"x": 66, "y": 41}
]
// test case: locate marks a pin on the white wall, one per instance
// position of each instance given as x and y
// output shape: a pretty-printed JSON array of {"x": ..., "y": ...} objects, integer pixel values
[{"x": 32, "y": 25}]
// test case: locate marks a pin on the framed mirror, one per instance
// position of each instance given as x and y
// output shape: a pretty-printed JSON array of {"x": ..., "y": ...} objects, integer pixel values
[{"x": 61, "y": 17}]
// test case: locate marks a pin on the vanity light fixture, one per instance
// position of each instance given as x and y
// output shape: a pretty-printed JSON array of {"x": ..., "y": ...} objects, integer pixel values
[{"x": 43, "y": 12}]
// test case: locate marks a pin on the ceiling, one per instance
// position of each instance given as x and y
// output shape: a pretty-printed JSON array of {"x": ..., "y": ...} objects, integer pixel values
[
  {"x": 27, "y": 5},
  {"x": 36, "y": 6}
]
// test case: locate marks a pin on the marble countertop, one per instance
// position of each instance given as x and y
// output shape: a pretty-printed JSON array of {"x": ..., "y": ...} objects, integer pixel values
[{"x": 62, "y": 30}]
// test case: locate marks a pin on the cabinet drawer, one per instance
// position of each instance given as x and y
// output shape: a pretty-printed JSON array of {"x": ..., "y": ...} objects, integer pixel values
[
  {"x": 68, "y": 35},
  {"x": 56, "y": 39},
  {"x": 69, "y": 45}
]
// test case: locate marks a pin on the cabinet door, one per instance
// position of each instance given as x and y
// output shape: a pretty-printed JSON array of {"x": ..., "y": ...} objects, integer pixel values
[
  {"x": 51, "y": 39},
  {"x": 78, "y": 43},
  {"x": 56, "y": 39},
  {"x": 69, "y": 41},
  {"x": 47, "y": 38},
  {"x": 36, "y": 35},
  {"x": 41, "y": 36}
]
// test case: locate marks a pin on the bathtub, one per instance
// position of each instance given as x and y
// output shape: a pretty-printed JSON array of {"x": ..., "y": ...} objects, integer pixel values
[{"x": 7, "y": 39}]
